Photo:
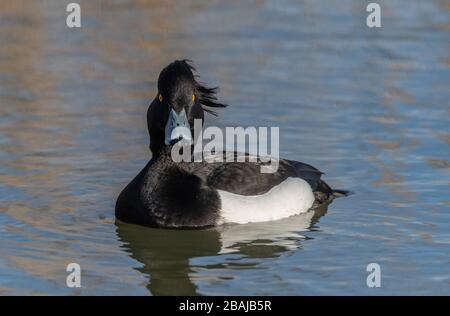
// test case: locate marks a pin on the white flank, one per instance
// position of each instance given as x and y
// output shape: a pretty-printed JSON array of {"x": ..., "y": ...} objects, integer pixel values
[{"x": 292, "y": 196}]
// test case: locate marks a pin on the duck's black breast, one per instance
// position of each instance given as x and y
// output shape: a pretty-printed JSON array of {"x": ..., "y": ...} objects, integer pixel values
[
  {"x": 175, "y": 197},
  {"x": 165, "y": 194},
  {"x": 129, "y": 207}
]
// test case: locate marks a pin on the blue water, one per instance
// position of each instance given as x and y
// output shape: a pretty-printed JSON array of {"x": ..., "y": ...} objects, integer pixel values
[{"x": 369, "y": 107}]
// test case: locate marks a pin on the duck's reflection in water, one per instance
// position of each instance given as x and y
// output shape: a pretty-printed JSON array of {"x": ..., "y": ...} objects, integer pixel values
[{"x": 166, "y": 253}]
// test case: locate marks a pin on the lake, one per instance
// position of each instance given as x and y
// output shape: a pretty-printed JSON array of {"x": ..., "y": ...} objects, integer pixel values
[{"x": 368, "y": 106}]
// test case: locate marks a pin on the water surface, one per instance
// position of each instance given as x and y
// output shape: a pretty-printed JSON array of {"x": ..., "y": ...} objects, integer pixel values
[{"x": 370, "y": 107}]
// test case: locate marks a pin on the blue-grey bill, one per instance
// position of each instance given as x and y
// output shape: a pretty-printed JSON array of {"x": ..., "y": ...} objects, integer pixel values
[{"x": 177, "y": 127}]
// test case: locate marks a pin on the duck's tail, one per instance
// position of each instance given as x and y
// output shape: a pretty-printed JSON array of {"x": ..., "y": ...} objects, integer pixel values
[
  {"x": 324, "y": 193},
  {"x": 341, "y": 193}
]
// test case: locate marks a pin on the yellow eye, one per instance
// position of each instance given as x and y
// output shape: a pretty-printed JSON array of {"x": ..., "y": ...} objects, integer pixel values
[
  {"x": 160, "y": 98},
  {"x": 193, "y": 98}
]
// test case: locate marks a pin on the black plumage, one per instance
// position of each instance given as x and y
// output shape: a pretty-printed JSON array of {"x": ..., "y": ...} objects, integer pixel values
[{"x": 184, "y": 194}]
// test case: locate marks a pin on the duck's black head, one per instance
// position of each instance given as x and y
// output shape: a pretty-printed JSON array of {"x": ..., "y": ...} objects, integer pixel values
[{"x": 180, "y": 100}]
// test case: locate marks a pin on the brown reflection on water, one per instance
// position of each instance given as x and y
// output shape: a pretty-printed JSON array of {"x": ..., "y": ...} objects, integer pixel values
[{"x": 28, "y": 103}]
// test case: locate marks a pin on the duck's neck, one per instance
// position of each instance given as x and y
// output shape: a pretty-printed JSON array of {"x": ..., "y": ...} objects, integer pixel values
[
  {"x": 163, "y": 156},
  {"x": 169, "y": 154}
]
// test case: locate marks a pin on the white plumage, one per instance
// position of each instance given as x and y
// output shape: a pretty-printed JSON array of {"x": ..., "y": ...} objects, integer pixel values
[{"x": 292, "y": 196}]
